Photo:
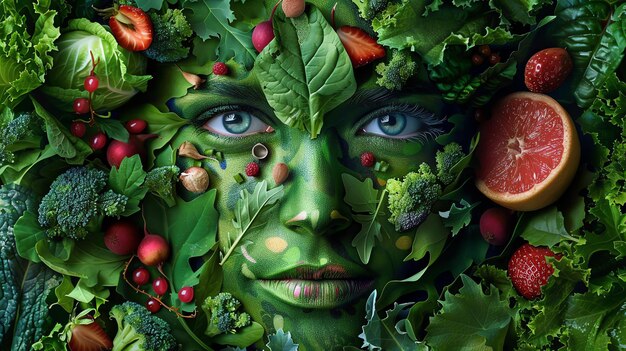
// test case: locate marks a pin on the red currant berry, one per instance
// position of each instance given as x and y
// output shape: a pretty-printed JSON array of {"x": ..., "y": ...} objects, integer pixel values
[
  {"x": 484, "y": 50},
  {"x": 368, "y": 159},
  {"x": 159, "y": 285},
  {"x": 252, "y": 169},
  {"x": 185, "y": 294},
  {"x": 91, "y": 83},
  {"x": 136, "y": 126},
  {"x": 220, "y": 69},
  {"x": 494, "y": 58},
  {"x": 153, "y": 305},
  {"x": 78, "y": 129},
  {"x": 81, "y": 106},
  {"x": 141, "y": 276},
  {"x": 98, "y": 141},
  {"x": 477, "y": 60}
]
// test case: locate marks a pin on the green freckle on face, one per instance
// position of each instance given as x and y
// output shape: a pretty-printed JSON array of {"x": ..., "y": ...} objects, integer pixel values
[
  {"x": 292, "y": 255},
  {"x": 323, "y": 261},
  {"x": 247, "y": 272}
]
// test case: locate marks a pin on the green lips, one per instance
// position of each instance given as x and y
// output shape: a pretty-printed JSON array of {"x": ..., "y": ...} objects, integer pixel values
[{"x": 326, "y": 293}]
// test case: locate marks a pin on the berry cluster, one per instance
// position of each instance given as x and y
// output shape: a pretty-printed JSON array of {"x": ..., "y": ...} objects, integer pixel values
[{"x": 484, "y": 52}]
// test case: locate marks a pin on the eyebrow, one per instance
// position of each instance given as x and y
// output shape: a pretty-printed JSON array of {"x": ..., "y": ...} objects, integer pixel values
[
  {"x": 235, "y": 91},
  {"x": 374, "y": 96}
]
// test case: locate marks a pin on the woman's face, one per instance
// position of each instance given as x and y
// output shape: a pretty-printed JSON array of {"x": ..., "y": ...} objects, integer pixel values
[{"x": 300, "y": 270}]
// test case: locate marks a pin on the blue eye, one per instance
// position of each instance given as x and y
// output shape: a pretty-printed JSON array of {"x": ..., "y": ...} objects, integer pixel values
[
  {"x": 403, "y": 122},
  {"x": 236, "y": 123}
]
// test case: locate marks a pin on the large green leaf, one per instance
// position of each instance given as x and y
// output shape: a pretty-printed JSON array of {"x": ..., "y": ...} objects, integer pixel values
[
  {"x": 128, "y": 180},
  {"x": 470, "y": 320},
  {"x": 305, "y": 71},
  {"x": 187, "y": 238},
  {"x": 383, "y": 333},
  {"x": 545, "y": 228}
]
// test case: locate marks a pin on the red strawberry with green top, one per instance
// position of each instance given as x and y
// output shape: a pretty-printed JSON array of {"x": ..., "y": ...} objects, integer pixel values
[
  {"x": 529, "y": 270},
  {"x": 361, "y": 48},
  {"x": 131, "y": 27},
  {"x": 88, "y": 336},
  {"x": 547, "y": 70}
]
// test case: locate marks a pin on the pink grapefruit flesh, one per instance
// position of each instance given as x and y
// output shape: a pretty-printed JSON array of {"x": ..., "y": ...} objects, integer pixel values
[{"x": 528, "y": 152}]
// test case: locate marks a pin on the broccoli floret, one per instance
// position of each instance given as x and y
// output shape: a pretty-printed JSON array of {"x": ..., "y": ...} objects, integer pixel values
[
  {"x": 161, "y": 182},
  {"x": 446, "y": 159},
  {"x": 221, "y": 311},
  {"x": 395, "y": 73},
  {"x": 17, "y": 129},
  {"x": 368, "y": 9},
  {"x": 171, "y": 31},
  {"x": 411, "y": 198},
  {"x": 76, "y": 203},
  {"x": 140, "y": 330}
]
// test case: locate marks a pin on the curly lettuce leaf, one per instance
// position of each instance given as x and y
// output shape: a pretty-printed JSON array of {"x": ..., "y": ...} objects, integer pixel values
[
  {"x": 305, "y": 71},
  {"x": 25, "y": 49}
]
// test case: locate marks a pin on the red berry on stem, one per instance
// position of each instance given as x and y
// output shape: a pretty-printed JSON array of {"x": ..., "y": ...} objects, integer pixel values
[
  {"x": 494, "y": 58},
  {"x": 81, "y": 106},
  {"x": 484, "y": 50},
  {"x": 477, "y": 60},
  {"x": 91, "y": 83},
  {"x": 547, "y": 70},
  {"x": 98, "y": 141},
  {"x": 141, "y": 276},
  {"x": 78, "y": 129},
  {"x": 529, "y": 270},
  {"x": 220, "y": 69},
  {"x": 186, "y": 294},
  {"x": 136, "y": 126},
  {"x": 368, "y": 159},
  {"x": 153, "y": 305},
  {"x": 160, "y": 285},
  {"x": 495, "y": 225},
  {"x": 262, "y": 35},
  {"x": 252, "y": 169}
]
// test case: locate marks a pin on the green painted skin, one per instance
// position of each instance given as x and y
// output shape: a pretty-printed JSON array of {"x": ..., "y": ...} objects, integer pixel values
[{"x": 315, "y": 187}]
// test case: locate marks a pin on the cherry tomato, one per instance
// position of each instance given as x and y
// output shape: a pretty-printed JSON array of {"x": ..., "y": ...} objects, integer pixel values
[
  {"x": 141, "y": 276},
  {"x": 185, "y": 294},
  {"x": 159, "y": 285},
  {"x": 153, "y": 305}
]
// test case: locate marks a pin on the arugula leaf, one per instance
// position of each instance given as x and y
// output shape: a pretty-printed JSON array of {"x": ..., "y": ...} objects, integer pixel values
[
  {"x": 457, "y": 218},
  {"x": 213, "y": 18},
  {"x": 470, "y": 318},
  {"x": 127, "y": 180},
  {"x": 251, "y": 211},
  {"x": 384, "y": 333},
  {"x": 366, "y": 204},
  {"x": 545, "y": 228},
  {"x": 281, "y": 341},
  {"x": 305, "y": 71}
]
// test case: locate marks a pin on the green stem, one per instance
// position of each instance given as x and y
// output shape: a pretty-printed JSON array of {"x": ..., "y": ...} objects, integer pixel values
[{"x": 193, "y": 335}]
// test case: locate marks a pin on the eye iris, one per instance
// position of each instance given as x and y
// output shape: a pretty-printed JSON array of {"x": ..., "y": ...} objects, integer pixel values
[
  {"x": 392, "y": 124},
  {"x": 236, "y": 122}
]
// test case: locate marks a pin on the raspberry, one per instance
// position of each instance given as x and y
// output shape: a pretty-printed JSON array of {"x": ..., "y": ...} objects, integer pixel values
[
  {"x": 252, "y": 169},
  {"x": 220, "y": 69},
  {"x": 367, "y": 159}
]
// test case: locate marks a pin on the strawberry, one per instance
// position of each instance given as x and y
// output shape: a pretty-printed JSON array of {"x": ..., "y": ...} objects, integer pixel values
[
  {"x": 88, "y": 336},
  {"x": 529, "y": 270},
  {"x": 131, "y": 27},
  {"x": 547, "y": 70},
  {"x": 361, "y": 48}
]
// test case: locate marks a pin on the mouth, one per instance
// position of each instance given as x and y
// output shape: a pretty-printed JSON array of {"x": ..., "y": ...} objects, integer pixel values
[{"x": 310, "y": 287}]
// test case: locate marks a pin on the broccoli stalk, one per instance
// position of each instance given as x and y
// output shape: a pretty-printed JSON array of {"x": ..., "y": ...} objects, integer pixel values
[
  {"x": 395, "y": 73},
  {"x": 451, "y": 155},
  {"x": 411, "y": 198},
  {"x": 161, "y": 182},
  {"x": 221, "y": 311},
  {"x": 77, "y": 202},
  {"x": 138, "y": 329}
]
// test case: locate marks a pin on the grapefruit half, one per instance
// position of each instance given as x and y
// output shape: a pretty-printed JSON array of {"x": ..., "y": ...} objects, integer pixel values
[{"x": 528, "y": 152}]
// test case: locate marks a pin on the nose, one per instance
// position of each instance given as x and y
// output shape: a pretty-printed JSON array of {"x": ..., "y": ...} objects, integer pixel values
[{"x": 313, "y": 201}]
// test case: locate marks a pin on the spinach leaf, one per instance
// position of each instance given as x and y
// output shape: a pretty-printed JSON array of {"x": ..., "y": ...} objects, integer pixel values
[
  {"x": 127, "y": 180},
  {"x": 305, "y": 71}
]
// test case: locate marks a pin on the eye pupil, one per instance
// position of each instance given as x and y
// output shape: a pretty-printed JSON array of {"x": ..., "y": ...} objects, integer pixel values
[
  {"x": 236, "y": 122},
  {"x": 388, "y": 120},
  {"x": 391, "y": 124},
  {"x": 232, "y": 118}
]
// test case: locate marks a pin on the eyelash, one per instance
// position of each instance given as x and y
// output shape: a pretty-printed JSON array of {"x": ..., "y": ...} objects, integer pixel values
[
  {"x": 199, "y": 121},
  {"x": 426, "y": 117}
]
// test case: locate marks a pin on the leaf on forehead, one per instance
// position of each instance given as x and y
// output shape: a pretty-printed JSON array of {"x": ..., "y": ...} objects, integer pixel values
[{"x": 305, "y": 71}]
